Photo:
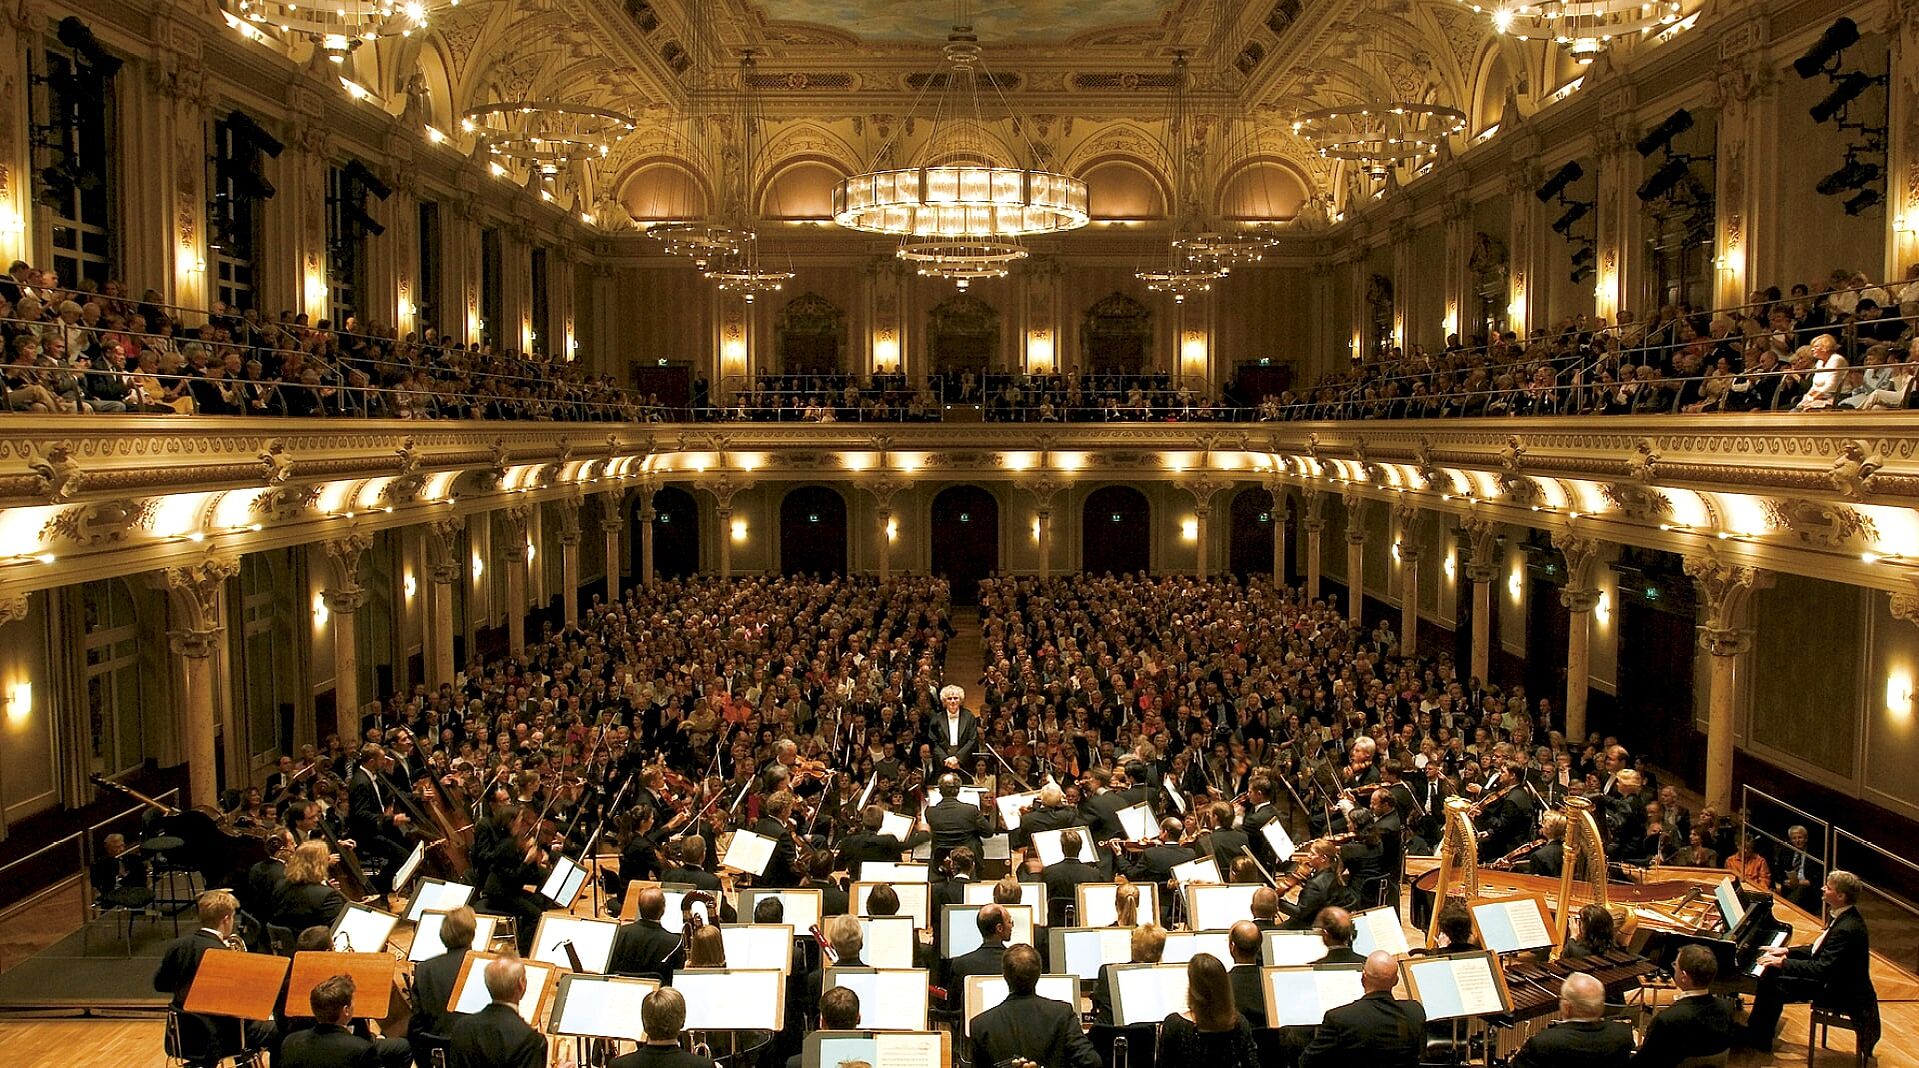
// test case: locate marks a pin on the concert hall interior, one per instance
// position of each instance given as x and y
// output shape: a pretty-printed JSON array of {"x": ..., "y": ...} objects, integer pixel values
[{"x": 959, "y": 533}]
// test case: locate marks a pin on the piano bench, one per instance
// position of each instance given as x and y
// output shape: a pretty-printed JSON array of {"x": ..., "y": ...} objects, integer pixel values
[{"x": 1863, "y": 1022}]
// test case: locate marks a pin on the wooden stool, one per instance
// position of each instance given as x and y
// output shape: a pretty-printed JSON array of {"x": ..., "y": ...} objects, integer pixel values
[{"x": 1862, "y": 1022}]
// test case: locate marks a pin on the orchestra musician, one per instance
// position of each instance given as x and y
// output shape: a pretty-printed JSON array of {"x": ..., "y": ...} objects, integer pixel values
[
  {"x": 330, "y": 1042},
  {"x": 955, "y": 734},
  {"x": 1835, "y": 970},
  {"x": 1147, "y": 945},
  {"x": 1583, "y": 1037},
  {"x": 1378, "y": 1030},
  {"x": 496, "y": 1036},
  {"x": 378, "y": 832},
  {"x": 1062, "y": 877},
  {"x": 953, "y": 822},
  {"x": 995, "y": 929},
  {"x": 1260, "y": 812},
  {"x": 663, "y": 1017},
  {"x": 307, "y": 900},
  {"x": 1325, "y": 885},
  {"x": 119, "y": 875},
  {"x": 868, "y": 843},
  {"x": 205, "y": 1040},
  {"x": 1696, "y": 1024},
  {"x": 644, "y": 947},
  {"x": 1027, "y": 1026},
  {"x": 433, "y": 983},
  {"x": 775, "y": 822},
  {"x": 1335, "y": 926},
  {"x": 1222, "y": 841},
  {"x": 1049, "y": 813},
  {"x": 1243, "y": 941},
  {"x": 1548, "y": 859},
  {"x": 516, "y": 861}
]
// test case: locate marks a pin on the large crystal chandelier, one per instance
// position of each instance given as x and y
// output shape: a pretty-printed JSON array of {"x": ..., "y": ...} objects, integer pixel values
[
  {"x": 1584, "y": 28},
  {"x": 337, "y": 27},
  {"x": 741, "y": 271},
  {"x": 954, "y": 189},
  {"x": 546, "y": 134},
  {"x": 1184, "y": 273}
]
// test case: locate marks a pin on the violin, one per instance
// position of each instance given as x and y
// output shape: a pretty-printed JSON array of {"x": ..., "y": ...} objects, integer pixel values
[{"x": 805, "y": 770}]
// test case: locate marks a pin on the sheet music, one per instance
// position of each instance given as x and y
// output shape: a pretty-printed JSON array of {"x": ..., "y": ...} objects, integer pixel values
[
  {"x": 592, "y": 939},
  {"x": 437, "y": 894},
  {"x": 887, "y": 941},
  {"x": 906, "y": 1051},
  {"x": 889, "y": 871},
  {"x": 1172, "y": 793},
  {"x": 719, "y": 999},
  {"x": 426, "y": 936},
  {"x": 889, "y": 1050},
  {"x": 1456, "y": 986},
  {"x": 409, "y": 867},
  {"x": 891, "y": 999},
  {"x": 1081, "y": 950},
  {"x": 1009, "y": 806},
  {"x": 923, "y": 851},
  {"x": 472, "y": 997},
  {"x": 1182, "y": 946},
  {"x": 1277, "y": 837},
  {"x": 971, "y": 795},
  {"x": 1215, "y": 906},
  {"x": 1098, "y": 905},
  {"x": 1032, "y": 894},
  {"x": 748, "y": 852},
  {"x": 1137, "y": 822},
  {"x": 1050, "y": 852},
  {"x": 363, "y": 930},
  {"x": 562, "y": 886},
  {"x": 996, "y": 847},
  {"x": 758, "y": 945},
  {"x": 1301, "y": 996},
  {"x": 800, "y": 909},
  {"x": 1287, "y": 949},
  {"x": 1511, "y": 926},
  {"x": 985, "y": 992},
  {"x": 598, "y": 1006},
  {"x": 897, "y": 825},
  {"x": 1147, "y": 993},
  {"x": 1377, "y": 929},
  {"x": 961, "y": 936},
  {"x": 1203, "y": 870},
  {"x": 675, "y": 895}
]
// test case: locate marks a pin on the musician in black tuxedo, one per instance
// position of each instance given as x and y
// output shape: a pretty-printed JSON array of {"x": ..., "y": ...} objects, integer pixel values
[
  {"x": 868, "y": 843},
  {"x": 955, "y": 734},
  {"x": 1062, "y": 878},
  {"x": 1836, "y": 970},
  {"x": 1325, "y": 886},
  {"x": 957, "y": 872},
  {"x": 496, "y": 1036},
  {"x": 205, "y": 1039},
  {"x": 378, "y": 834},
  {"x": 782, "y": 869},
  {"x": 995, "y": 928},
  {"x": 844, "y": 937},
  {"x": 1099, "y": 805},
  {"x": 691, "y": 869},
  {"x": 1583, "y": 1037},
  {"x": 1696, "y": 1024},
  {"x": 1508, "y": 822},
  {"x": 1260, "y": 812},
  {"x": 643, "y": 947},
  {"x": 1049, "y": 813},
  {"x": 1026, "y": 1025},
  {"x": 1378, "y": 1030},
  {"x": 1224, "y": 842},
  {"x": 1248, "y": 995},
  {"x": 955, "y": 823},
  {"x": 1335, "y": 926},
  {"x": 433, "y": 980},
  {"x": 663, "y": 1015},
  {"x": 330, "y": 1042}
]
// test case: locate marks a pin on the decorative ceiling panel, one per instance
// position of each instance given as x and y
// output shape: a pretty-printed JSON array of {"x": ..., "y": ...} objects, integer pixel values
[{"x": 993, "y": 20}]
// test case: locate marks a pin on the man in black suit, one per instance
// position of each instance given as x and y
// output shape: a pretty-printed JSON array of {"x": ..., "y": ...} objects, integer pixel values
[
  {"x": 496, "y": 1036},
  {"x": 955, "y": 735},
  {"x": 1583, "y": 1037},
  {"x": 782, "y": 870},
  {"x": 663, "y": 1015},
  {"x": 1696, "y": 1024},
  {"x": 1243, "y": 940},
  {"x": 1099, "y": 805},
  {"x": 645, "y": 947},
  {"x": 1260, "y": 812},
  {"x": 433, "y": 980},
  {"x": 377, "y": 835},
  {"x": 844, "y": 936},
  {"x": 839, "y": 1011},
  {"x": 954, "y": 823},
  {"x": 1026, "y": 1025},
  {"x": 1378, "y": 1030},
  {"x": 692, "y": 867},
  {"x": 1155, "y": 863},
  {"x": 1224, "y": 842},
  {"x": 1835, "y": 970},
  {"x": 868, "y": 843},
  {"x": 205, "y": 1039},
  {"x": 1336, "y": 931},
  {"x": 951, "y": 890},
  {"x": 1062, "y": 878},
  {"x": 1049, "y": 813},
  {"x": 1266, "y": 909},
  {"x": 330, "y": 1043},
  {"x": 995, "y": 927}
]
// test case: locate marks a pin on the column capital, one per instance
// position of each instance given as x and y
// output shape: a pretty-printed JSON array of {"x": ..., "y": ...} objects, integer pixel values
[
  {"x": 1582, "y": 555},
  {"x": 1042, "y": 489},
  {"x": 516, "y": 518},
  {"x": 1480, "y": 573},
  {"x": 884, "y": 490},
  {"x": 1409, "y": 553},
  {"x": 444, "y": 572},
  {"x": 1578, "y": 599},
  {"x": 1725, "y": 641},
  {"x": 1904, "y": 605},
  {"x": 193, "y": 591},
  {"x": 1355, "y": 536},
  {"x": 193, "y": 644},
  {"x": 570, "y": 539},
  {"x": 1203, "y": 490},
  {"x": 723, "y": 490},
  {"x": 344, "y": 554},
  {"x": 614, "y": 526},
  {"x": 13, "y": 606},
  {"x": 1725, "y": 586},
  {"x": 345, "y": 601}
]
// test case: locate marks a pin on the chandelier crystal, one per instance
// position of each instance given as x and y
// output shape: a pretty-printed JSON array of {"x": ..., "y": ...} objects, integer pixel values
[
  {"x": 1380, "y": 135},
  {"x": 956, "y": 189},
  {"x": 546, "y": 134},
  {"x": 962, "y": 260},
  {"x": 337, "y": 27},
  {"x": 740, "y": 271},
  {"x": 1584, "y": 28}
]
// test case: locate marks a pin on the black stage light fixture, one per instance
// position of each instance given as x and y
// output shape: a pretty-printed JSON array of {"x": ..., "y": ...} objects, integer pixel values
[
  {"x": 1661, "y": 135},
  {"x": 357, "y": 173},
  {"x": 366, "y": 224},
  {"x": 248, "y": 183},
  {"x": 1665, "y": 179},
  {"x": 1561, "y": 178},
  {"x": 1851, "y": 175},
  {"x": 1583, "y": 257},
  {"x": 1574, "y": 212},
  {"x": 1581, "y": 273},
  {"x": 1862, "y": 200},
  {"x": 1838, "y": 37},
  {"x": 1844, "y": 91},
  {"x": 75, "y": 34},
  {"x": 250, "y": 132}
]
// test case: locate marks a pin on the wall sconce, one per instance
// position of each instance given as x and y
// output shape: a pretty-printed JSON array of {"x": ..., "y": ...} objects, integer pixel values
[
  {"x": 1039, "y": 351},
  {"x": 19, "y": 702},
  {"x": 1450, "y": 565},
  {"x": 320, "y": 614},
  {"x": 1395, "y": 552},
  {"x": 1450, "y": 323},
  {"x": 1602, "y": 611},
  {"x": 409, "y": 586},
  {"x": 1516, "y": 584},
  {"x": 1036, "y": 528},
  {"x": 892, "y": 530},
  {"x": 739, "y": 530},
  {"x": 1192, "y": 350},
  {"x": 1189, "y": 529},
  {"x": 1898, "y": 694},
  {"x": 531, "y": 552},
  {"x": 886, "y": 351},
  {"x": 479, "y": 567},
  {"x": 315, "y": 288},
  {"x": 1732, "y": 260}
]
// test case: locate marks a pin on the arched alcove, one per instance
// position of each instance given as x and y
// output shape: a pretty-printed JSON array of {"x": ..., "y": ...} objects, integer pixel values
[
  {"x": 962, "y": 333},
  {"x": 813, "y": 532},
  {"x": 965, "y": 531},
  {"x": 676, "y": 534},
  {"x": 1263, "y": 191},
  {"x": 1251, "y": 523},
  {"x": 1117, "y": 335},
  {"x": 809, "y": 336},
  {"x": 661, "y": 191},
  {"x": 1116, "y": 531},
  {"x": 1123, "y": 189},
  {"x": 802, "y": 190}
]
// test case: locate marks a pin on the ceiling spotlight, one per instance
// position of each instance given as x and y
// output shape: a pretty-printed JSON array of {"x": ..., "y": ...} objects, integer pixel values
[
  {"x": 1583, "y": 256},
  {"x": 1851, "y": 175},
  {"x": 1574, "y": 212},
  {"x": 1665, "y": 179},
  {"x": 1581, "y": 273},
  {"x": 1838, "y": 37},
  {"x": 1661, "y": 135},
  {"x": 1844, "y": 90},
  {"x": 1561, "y": 178},
  {"x": 1861, "y": 201}
]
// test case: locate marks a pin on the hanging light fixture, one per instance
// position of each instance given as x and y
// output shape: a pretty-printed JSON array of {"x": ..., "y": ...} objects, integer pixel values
[
  {"x": 1209, "y": 242},
  {"x": 954, "y": 188},
  {"x": 337, "y": 27},
  {"x": 1183, "y": 274},
  {"x": 741, "y": 271},
  {"x": 1584, "y": 28},
  {"x": 703, "y": 242},
  {"x": 545, "y": 134},
  {"x": 1380, "y": 135}
]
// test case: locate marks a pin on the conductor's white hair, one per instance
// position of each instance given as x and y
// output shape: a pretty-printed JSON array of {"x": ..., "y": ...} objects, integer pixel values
[{"x": 952, "y": 690}]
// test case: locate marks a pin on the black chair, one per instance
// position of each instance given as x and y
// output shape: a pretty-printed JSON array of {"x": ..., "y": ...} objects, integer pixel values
[
  {"x": 1861, "y": 1020},
  {"x": 429, "y": 1049},
  {"x": 1140, "y": 1041}
]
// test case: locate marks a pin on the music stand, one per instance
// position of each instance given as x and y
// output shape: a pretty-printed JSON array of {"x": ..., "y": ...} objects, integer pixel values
[
  {"x": 372, "y": 975},
  {"x": 600, "y": 1006},
  {"x": 469, "y": 989},
  {"x": 241, "y": 985}
]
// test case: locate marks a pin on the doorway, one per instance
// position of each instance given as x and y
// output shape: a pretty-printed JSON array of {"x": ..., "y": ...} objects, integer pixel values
[
  {"x": 676, "y": 534},
  {"x": 965, "y": 539},
  {"x": 1116, "y": 531},
  {"x": 813, "y": 532},
  {"x": 1252, "y": 522}
]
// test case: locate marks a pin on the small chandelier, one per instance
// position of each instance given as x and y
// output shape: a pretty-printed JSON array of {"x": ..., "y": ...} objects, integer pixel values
[
  {"x": 546, "y": 135},
  {"x": 956, "y": 189},
  {"x": 1223, "y": 250},
  {"x": 740, "y": 271},
  {"x": 337, "y": 27},
  {"x": 1583, "y": 27},
  {"x": 962, "y": 260},
  {"x": 1380, "y": 136},
  {"x": 703, "y": 243},
  {"x": 1180, "y": 279}
]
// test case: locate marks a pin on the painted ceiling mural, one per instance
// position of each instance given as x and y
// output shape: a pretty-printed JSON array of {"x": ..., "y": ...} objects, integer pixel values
[{"x": 993, "y": 20}]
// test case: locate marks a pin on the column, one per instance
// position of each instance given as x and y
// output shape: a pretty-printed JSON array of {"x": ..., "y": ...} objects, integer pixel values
[
  {"x": 1457, "y": 213},
  {"x": 510, "y": 544},
  {"x": 1406, "y": 518},
  {"x": 1902, "y": 154},
  {"x": 1043, "y": 491},
  {"x": 1579, "y": 596},
  {"x": 883, "y": 492},
  {"x": 1482, "y": 570},
  {"x": 1314, "y": 524},
  {"x": 613, "y": 520},
  {"x": 343, "y": 597},
  {"x": 444, "y": 567},
  {"x": 1745, "y": 133},
  {"x": 16, "y": 155},
  {"x": 1526, "y": 299},
  {"x": 569, "y": 560},
  {"x": 1355, "y": 557},
  {"x": 1725, "y": 591},
  {"x": 1203, "y": 491},
  {"x": 1618, "y": 209},
  {"x": 195, "y": 613},
  {"x": 1277, "y": 517}
]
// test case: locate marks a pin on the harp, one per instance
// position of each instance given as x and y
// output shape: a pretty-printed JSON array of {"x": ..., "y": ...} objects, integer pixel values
[
  {"x": 1582, "y": 879},
  {"x": 1458, "y": 861}
]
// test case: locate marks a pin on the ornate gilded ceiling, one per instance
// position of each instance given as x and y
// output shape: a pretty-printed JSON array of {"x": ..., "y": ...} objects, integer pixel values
[{"x": 994, "y": 21}]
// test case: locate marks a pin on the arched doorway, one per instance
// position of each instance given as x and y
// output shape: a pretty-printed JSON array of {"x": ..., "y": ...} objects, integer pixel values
[
  {"x": 676, "y": 534},
  {"x": 1116, "y": 531},
  {"x": 965, "y": 539},
  {"x": 962, "y": 333},
  {"x": 1252, "y": 519},
  {"x": 809, "y": 336},
  {"x": 813, "y": 532},
  {"x": 1117, "y": 336}
]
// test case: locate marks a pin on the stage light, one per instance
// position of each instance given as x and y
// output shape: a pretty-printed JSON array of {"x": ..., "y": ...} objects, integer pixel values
[
  {"x": 1561, "y": 178},
  {"x": 1844, "y": 91},
  {"x": 249, "y": 131},
  {"x": 357, "y": 173},
  {"x": 1838, "y": 37},
  {"x": 1661, "y": 135},
  {"x": 1850, "y": 175},
  {"x": 1665, "y": 179},
  {"x": 1574, "y": 212},
  {"x": 76, "y": 35},
  {"x": 1861, "y": 201},
  {"x": 1583, "y": 257},
  {"x": 1581, "y": 273}
]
